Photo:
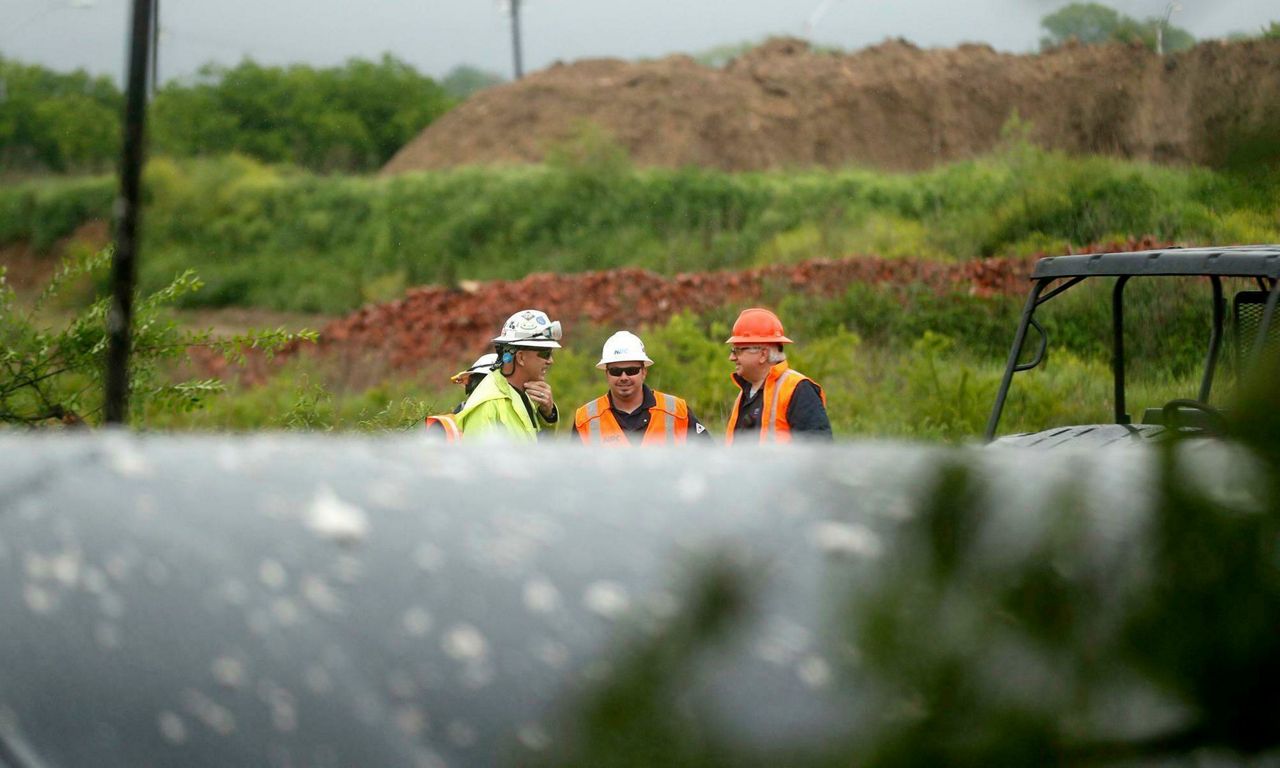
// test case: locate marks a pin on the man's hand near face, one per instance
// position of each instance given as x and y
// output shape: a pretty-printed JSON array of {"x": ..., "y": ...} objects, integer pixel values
[{"x": 539, "y": 393}]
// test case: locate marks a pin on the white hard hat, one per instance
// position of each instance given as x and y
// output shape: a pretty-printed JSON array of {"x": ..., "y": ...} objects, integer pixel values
[
  {"x": 483, "y": 364},
  {"x": 623, "y": 347},
  {"x": 530, "y": 328}
]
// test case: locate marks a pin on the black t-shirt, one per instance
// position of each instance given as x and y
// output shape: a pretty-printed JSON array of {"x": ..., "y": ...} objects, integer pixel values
[{"x": 638, "y": 420}]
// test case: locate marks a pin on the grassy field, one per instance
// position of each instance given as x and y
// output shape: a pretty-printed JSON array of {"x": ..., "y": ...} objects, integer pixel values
[
  {"x": 892, "y": 363},
  {"x": 278, "y": 238},
  {"x": 895, "y": 360}
]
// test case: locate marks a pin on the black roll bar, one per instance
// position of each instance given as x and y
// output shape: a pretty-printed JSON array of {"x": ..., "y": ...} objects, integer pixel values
[
  {"x": 1018, "y": 338},
  {"x": 1215, "y": 339},
  {"x": 1117, "y": 346}
]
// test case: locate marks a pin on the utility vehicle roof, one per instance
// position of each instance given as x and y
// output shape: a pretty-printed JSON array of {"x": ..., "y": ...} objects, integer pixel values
[{"x": 1229, "y": 261}]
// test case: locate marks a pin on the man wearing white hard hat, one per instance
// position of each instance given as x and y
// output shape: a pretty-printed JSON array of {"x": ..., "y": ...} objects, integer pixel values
[
  {"x": 515, "y": 397},
  {"x": 470, "y": 378},
  {"x": 631, "y": 413},
  {"x": 443, "y": 424}
]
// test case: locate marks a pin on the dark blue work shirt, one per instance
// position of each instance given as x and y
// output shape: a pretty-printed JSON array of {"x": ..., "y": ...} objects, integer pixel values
[
  {"x": 805, "y": 413},
  {"x": 638, "y": 420}
]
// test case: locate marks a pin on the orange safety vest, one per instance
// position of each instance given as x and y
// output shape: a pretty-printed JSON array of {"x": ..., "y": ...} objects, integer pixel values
[
  {"x": 668, "y": 422},
  {"x": 452, "y": 433},
  {"x": 779, "y": 386}
]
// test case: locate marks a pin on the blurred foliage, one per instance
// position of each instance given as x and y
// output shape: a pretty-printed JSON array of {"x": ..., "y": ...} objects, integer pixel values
[
  {"x": 1093, "y": 23},
  {"x": 464, "y": 80},
  {"x": 52, "y": 375},
  {"x": 55, "y": 121},
  {"x": 351, "y": 118},
  {"x": 252, "y": 227},
  {"x": 721, "y": 55},
  {"x": 994, "y": 631},
  {"x": 40, "y": 213}
]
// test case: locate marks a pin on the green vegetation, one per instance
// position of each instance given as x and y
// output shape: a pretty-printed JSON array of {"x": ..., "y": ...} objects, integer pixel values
[
  {"x": 277, "y": 237},
  {"x": 464, "y": 80},
  {"x": 1093, "y": 23},
  {"x": 895, "y": 361},
  {"x": 55, "y": 374},
  {"x": 351, "y": 118},
  {"x": 57, "y": 121}
]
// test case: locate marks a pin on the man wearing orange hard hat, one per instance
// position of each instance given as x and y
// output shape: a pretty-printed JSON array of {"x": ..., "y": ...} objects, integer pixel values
[{"x": 774, "y": 400}]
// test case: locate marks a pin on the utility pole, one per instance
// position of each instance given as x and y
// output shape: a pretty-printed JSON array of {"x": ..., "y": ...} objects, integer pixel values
[
  {"x": 124, "y": 268},
  {"x": 515, "y": 37},
  {"x": 155, "y": 49}
]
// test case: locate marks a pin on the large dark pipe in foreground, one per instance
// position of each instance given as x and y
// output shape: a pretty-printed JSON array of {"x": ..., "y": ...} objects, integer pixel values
[
  {"x": 301, "y": 601},
  {"x": 124, "y": 267}
]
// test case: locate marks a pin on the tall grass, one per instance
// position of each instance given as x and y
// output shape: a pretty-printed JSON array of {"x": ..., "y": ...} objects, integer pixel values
[
  {"x": 913, "y": 372},
  {"x": 272, "y": 236}
]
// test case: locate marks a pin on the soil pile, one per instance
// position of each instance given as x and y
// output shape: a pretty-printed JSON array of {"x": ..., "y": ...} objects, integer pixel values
[
  {"x": 434, "y": 326},
  {"x": 893, "y": 106}
]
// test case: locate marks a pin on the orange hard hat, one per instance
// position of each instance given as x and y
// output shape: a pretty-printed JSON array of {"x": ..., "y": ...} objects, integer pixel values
[{"x": 757, "y": 326}]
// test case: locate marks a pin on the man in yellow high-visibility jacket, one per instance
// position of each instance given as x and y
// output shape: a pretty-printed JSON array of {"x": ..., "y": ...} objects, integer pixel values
[{"x": 515, "y": 397}]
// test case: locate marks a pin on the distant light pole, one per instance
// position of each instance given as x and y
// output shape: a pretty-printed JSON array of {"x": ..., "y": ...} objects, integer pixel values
[
  {"x": 513, "y": 7},
  {"x": 1169, "y": 10}
]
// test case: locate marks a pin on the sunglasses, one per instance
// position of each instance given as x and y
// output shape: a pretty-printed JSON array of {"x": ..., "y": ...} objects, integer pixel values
[
  {"x": 545, "y": 354},
  {"x": 631, "y": 370}
]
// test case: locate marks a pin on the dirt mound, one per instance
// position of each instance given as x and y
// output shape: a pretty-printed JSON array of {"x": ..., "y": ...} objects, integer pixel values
[
  {"x": 433, "y": 326},
  {"x": 893, "y": 106}
]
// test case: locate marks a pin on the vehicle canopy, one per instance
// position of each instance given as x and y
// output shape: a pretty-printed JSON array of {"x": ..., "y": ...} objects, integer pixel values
[{"x": 1253, "y": 313}]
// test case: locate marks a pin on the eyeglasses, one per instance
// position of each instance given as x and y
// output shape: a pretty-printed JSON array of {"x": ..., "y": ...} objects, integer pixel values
[
  {"x": 545, "y": 354},
  {"x": 735, "y": 351},
  {"x": 631, "y": 370}
]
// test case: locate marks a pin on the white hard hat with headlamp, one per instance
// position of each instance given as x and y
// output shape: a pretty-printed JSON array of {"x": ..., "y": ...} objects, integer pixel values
[
  {"x": 530, "y": 328},
  {"x": 623, "y": 347}
]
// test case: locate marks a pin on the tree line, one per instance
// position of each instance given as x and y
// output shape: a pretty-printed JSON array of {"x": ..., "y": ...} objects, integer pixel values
[
  {"x": 351, "y": 118},
  {"x": 1093, "y": 23}
]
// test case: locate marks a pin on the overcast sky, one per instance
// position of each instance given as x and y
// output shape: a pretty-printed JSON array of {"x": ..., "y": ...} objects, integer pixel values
[{"x": 436, "y": 35}]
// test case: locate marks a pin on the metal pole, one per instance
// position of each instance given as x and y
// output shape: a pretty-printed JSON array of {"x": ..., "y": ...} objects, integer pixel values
[
  {"x": 515, "y": 38},
  {"x": 1117, "y": 349},
  {"x": 1215, "y": 339},
  {"x": 124, "y": 261},
  {"x": 1019, "y": 337}
]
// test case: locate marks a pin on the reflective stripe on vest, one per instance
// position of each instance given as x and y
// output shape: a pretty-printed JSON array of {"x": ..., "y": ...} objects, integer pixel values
[
  {"x": 668, "y": 422},
  {"x": 787, "y": 381},
  {"x": 779, "y": 386},
  {"x": 450, "y": 427}
]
